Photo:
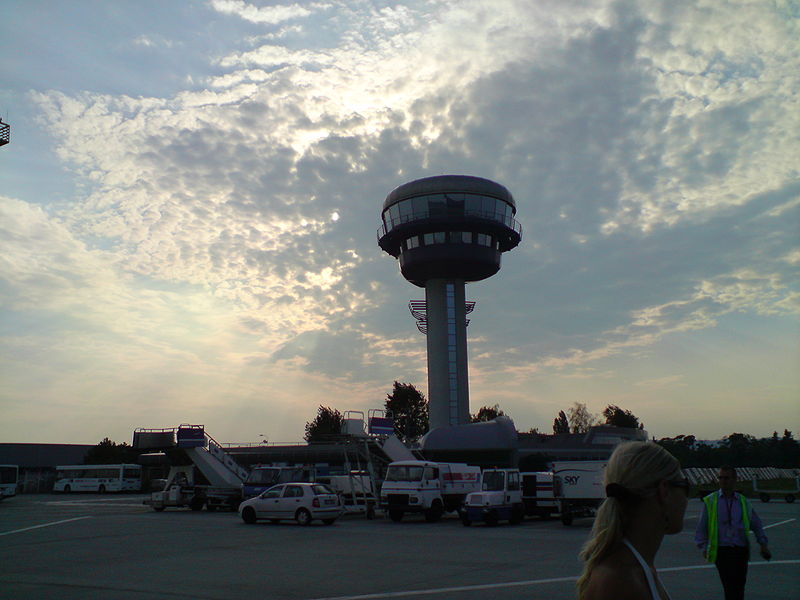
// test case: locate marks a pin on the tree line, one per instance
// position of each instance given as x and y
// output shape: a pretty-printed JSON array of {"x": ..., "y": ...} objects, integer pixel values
[
  {"x": 407, "y": 406},
  {"x": 737, "y": 449}
]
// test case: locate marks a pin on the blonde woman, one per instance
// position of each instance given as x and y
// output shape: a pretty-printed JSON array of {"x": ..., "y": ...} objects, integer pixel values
[{"x": 647, "y": 497}]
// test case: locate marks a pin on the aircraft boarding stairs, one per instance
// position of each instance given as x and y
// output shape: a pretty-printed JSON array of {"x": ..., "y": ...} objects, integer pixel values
[{"x": 218, "y": 467}]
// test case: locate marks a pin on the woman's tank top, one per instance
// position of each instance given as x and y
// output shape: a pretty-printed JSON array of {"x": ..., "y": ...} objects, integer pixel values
[{"x": 648, "y": 573}]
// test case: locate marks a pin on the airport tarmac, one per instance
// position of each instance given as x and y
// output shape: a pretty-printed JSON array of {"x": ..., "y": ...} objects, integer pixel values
[{"x": 113, "y": 547}]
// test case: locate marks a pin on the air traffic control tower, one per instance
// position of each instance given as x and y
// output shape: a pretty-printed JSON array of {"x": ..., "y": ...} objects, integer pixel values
[{"x": 446, "y": 231}]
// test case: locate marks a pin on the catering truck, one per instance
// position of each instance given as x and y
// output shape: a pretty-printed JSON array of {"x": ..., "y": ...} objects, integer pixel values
[
  {"x": 430, "y": 488},
  {"x": 578, "y": 487},
  {"x": 500, "y": 499}
]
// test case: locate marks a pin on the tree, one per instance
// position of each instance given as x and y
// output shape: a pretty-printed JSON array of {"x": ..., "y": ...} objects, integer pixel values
[
  {"x": 580, "y": 419},
  {"x": 110, "y": 453},
  {"x": 487, "y": 413},
  {"x": 409, "y": 408},
  {"x": 328, "y": 422},
  {"x": 560, "y": 423},
  {"x": 621, "y": 418}
]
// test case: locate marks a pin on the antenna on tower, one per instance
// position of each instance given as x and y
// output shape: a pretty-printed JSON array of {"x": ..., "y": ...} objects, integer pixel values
[{"x": 5, "y": 132}]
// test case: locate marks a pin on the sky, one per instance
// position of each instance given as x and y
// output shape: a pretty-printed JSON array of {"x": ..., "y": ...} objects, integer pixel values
[{"x": 192, "y": 191}]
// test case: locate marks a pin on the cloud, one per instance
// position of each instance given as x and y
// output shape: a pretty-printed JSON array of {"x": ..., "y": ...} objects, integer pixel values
[
  {"x": 648, "y": 147},
  {"x": 268, "y": 15}
]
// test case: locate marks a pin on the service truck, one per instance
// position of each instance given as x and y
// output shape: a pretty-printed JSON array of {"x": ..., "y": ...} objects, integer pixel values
[
  {"x": 182, "y": 490},
  {"x": 430, "y": 488},
  {"x": 578, "y": 487},
  {"x": 537, "y": 494},
  {"x": 500, "y": 499}
]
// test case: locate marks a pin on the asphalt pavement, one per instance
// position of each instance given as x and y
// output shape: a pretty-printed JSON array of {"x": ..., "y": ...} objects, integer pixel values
[{"x": 111, "y": 546}]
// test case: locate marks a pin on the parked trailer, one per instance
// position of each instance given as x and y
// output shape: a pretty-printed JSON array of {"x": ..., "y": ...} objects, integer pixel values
[
  {"x": 430, "y": 488},
  {"x": 538, "y": 497},
  {"x": 767, "y": 495},
  {"x": 500, "y": 499},
  {"x": 578, "y": 487}
]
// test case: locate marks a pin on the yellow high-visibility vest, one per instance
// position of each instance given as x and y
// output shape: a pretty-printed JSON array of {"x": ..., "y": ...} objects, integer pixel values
[{"x": 711, "y": 501}]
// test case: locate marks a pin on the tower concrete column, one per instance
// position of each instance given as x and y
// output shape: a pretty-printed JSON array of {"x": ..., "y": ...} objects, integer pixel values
[{"x": 448, "y": 380}]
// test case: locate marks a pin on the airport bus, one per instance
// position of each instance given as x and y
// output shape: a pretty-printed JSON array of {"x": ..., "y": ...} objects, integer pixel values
[
  {"x": 9, "y": 474},
  {"x": 98, "y": 478}
]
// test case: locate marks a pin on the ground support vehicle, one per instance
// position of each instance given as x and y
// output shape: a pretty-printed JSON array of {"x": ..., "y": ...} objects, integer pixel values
[
  {"x": 537, "y": 494},
  {"x": 212, "y": 480},
  {"x": 500, "y": 499},
  {"x": 766, "y": 495},
  {"x": 9, "y": 474},
  {"x": 181, "y": 491},
  {"x": 430, "y": 488},
  {"x": 578, "y": 487},
  {"x": 301, "y": 502}
]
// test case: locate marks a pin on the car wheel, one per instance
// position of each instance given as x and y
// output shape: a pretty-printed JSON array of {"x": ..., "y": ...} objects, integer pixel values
[
  {"x": 303, "y": 517},
  {"x": 328, "y": 521},
  {"x": 396, "y": 515},
  {"x": 67, "y": 489},
  {"x": 790, "y": 498},
  {"x": 249, "y": 515},
  {"x": 764, "y": 497},
  {"x": 159, "y": 508},
  {"x": 465, "y": 521},
  {"x": 210, "y": 507},
  {"x": 101, "y": 489},
  {"x": 196, "y": 503}
]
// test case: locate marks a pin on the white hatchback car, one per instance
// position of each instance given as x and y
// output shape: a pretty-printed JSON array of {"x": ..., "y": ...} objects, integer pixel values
[{"x": 302, "y": 502}]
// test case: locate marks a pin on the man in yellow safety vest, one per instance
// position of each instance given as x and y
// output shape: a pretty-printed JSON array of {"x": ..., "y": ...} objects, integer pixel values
[{"x": 722, "y": 533}]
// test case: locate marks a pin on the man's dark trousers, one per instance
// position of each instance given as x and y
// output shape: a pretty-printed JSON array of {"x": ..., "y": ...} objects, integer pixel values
[{"x": 732, "y": 566}]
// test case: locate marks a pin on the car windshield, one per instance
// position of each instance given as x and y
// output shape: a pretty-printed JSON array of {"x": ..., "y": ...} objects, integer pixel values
[
  {"x": 493, "y": 481},
  {"x": 404, "y": 473}
]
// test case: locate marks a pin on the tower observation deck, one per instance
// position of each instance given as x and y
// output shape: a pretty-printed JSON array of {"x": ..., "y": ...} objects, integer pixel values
[{"x": 446, "y": 231}]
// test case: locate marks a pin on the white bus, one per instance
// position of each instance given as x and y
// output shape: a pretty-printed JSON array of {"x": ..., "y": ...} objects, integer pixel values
[
  {"x": 8, "y": 480},
  {"x": 98, "y": 478}
]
